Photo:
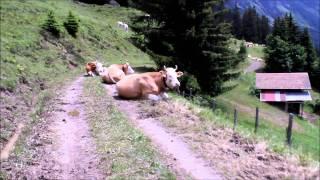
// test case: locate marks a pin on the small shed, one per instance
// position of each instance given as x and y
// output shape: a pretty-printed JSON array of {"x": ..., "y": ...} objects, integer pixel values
[{"x": 286, "y": 88}]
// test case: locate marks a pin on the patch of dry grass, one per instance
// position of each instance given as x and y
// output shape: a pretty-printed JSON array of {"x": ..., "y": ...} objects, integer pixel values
[
  {"x": 234, "y": 155},
  {"x": 127, "y": 153}
]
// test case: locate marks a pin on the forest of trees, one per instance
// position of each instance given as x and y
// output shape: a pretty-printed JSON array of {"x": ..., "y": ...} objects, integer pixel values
[
  {"x": 249, "y": 26},
  {"x": 193, "y": 35},
  {"x": 290, "y": 49}
]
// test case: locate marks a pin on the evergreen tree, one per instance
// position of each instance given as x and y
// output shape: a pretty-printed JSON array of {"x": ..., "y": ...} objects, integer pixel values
[
  {"x": 71, "y": 24},
  {"x": 311, "y": 59},
  {"x": 52, "y": 25},
  {"x": 243, "y": 52},
  {"x": 279, "y": 28},
  {"x": 292, "y": 29},
  {"x": 298, "y": 57},
  {"x": 236, "y": 23},
  {"x": 277, "y": 55},
  {"x": 250, "y": 25},
  {"x": 264, "y": 29},
  {"x": 192, "y": 34}
]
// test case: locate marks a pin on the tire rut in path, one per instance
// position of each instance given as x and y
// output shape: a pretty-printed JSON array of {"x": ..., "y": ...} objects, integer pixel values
[
  {"x": 185, "y": 160},
  {"x": 72, "y": 150}
]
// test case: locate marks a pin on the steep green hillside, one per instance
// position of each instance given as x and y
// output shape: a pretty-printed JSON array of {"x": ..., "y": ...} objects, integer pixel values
[
  {"x": 27, "y": 55},
  {"x": 33, "y": 62}
]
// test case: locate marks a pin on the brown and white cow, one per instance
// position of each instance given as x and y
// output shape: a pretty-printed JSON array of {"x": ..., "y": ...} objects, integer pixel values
[
  {"x": 151, "y": 85},
  {"x": 93, "y": 68},
  {"x": 116, "y": 72}
]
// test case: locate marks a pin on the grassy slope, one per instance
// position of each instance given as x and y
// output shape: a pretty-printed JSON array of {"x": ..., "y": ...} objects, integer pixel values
[
  {"x": 127, "y": 152},
  {"x": 24, "y": 54},
  {"x": 306, "y": 139}
]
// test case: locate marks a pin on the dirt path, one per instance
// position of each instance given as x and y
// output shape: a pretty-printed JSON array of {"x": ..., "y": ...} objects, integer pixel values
[
  {"x": 71, "y": 153},
  {"x": 254, "y": 66},
  {"x": 185, "y": 161}
]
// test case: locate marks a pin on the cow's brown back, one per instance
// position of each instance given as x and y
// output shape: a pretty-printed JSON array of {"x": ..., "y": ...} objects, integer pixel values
[{"x": 140, "y": 85}]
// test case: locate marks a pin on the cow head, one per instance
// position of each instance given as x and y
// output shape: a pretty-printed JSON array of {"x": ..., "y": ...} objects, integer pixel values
[
  {"x": 127, "y": 69},
  {"x": 99, "y": 68},
  {"x": 171, "y": 77}
]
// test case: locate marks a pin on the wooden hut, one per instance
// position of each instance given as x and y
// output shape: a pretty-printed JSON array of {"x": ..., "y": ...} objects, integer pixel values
[{"x": 290, "y": 89}]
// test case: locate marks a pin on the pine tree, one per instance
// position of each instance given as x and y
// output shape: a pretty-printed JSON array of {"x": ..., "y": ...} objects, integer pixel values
[
  {"x": 52, "y": 25},
  {"x": 192, "y": 34},
  {"x": 280, "y": 28},
  {"x": 250, "y": 25},
  {"x": 311, "y": 59},
  {"x": 71, "y": 24},
  {"x": 236, "y": 23},
  {"x": 293, "y": 32},
  {"x": 277, "y": 55},
  {"x": 242, "y": 52},
  {"x": 312, "y": 65},
  {"x": 264, "y": 29}
]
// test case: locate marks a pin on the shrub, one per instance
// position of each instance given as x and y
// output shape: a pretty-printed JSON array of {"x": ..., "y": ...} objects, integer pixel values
[
  {"x": 52, "y": 25},
  {"x": 316, "y": 106},
  {"x": 189, "y": 81},
  {"x": 72, "y": 24}
]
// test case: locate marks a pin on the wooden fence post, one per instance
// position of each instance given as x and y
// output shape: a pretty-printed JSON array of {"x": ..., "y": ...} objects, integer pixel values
[
  {"x": 190, "y": 91},
  {"x": 235, "y": 118},
  {"x": 257, "y": 120},
  {"x": 183, "y": 94},
  {"x": 289, "y": 129}
]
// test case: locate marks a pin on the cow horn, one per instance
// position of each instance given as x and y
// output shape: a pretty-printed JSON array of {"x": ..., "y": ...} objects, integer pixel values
[
  {"x": 164, "y": 67},
  {"x": 176, "y": 68}
]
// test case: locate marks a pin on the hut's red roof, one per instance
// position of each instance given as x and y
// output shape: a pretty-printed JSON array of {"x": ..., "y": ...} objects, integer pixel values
[{"x": 283, "y": 81}]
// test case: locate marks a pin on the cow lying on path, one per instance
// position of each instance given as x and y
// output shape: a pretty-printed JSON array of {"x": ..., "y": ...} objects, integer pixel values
[
  {"x": 151, "y": 85},
  {"x": 116, "y": 72},
  {"x": 94, "y": 68}
]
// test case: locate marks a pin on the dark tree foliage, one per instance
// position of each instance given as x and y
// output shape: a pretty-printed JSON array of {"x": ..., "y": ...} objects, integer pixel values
[
  {"x": 264, "y": 29},
  {"x": 72, "y": 24},
  {"x": 291, "y": 50},
  {"x": 236, "y": 23},
  {"x": 243, "y": 51},
  {"x": 249, "y": 26},
  {"x": 192, "y": 34},
  {"x": 52, "y": 25}
]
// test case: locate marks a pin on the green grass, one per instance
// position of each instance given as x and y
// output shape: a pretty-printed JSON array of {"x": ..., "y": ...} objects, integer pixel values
[
  {"x": 127, "y": 152},
  {"x": 305, "y": 141},
  {"x": 28, "y": 57},
  {"x": 25, "y": 53},
  {"x": 256, "y": 51}
]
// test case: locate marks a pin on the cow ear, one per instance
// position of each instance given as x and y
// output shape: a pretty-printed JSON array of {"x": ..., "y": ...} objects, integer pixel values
[
  {"x": 163, "y": 73},
  {"x": 179, "y": 74}
]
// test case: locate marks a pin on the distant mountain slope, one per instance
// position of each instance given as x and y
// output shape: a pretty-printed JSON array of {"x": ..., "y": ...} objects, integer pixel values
[{"x": 305, "y": 12}]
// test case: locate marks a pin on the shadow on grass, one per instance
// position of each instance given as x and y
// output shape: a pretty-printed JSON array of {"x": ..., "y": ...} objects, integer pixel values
[{"x": 142, "y": 69}]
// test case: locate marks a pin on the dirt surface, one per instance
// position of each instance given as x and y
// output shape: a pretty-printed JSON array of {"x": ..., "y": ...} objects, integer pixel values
[
  {"x": 233, "y": 156},
  {"x": 183, "y": 161},
  {"x": 254, "y": 66},
  {"x": 61, "y": 146}
]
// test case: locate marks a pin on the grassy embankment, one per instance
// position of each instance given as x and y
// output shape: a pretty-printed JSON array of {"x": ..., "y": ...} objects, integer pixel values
[
  {"x": 273, "y": 121},
  {"x": 30, "y": 58}
]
